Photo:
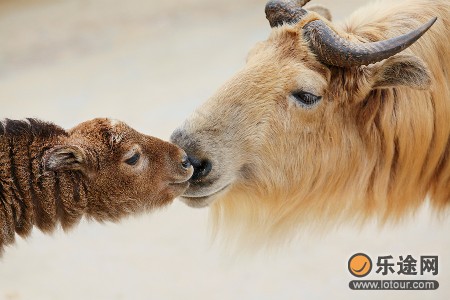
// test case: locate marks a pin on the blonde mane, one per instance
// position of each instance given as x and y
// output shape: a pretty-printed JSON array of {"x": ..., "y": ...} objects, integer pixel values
[{"x": 399, "y": 157}]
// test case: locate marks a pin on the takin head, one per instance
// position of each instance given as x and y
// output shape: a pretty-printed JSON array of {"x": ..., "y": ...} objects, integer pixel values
[{"x": 298, "y": 134}]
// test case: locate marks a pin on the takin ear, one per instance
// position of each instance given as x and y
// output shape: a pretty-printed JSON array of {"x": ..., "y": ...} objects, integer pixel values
[
  {"x": 321, "y": 10},
  {"x": 406, "y": 70},
  {"x": 64, "y": 158}
]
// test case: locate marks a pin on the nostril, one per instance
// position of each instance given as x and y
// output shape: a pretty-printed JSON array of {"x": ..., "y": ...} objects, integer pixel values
[
  {"x": 185, "y": 163},
  {"x": 201, "y": 168}
]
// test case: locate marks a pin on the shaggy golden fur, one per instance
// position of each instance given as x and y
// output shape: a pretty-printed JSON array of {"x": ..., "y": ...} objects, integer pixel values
[
  {"x": 101, "y": 169},
  {"x": 374, "y": 147}
]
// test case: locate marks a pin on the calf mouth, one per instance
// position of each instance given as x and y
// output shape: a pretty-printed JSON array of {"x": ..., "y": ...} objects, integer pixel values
[
  {"x": 178, "y": 188},
  {"x": 180, "y": 184}
]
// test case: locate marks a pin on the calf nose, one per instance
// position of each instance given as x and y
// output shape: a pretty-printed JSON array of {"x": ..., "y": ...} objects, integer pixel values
[
  {"x": 201, "y": 168},
  {"x": 185, "y": 163},
  {"x": 180, "y": 166}
]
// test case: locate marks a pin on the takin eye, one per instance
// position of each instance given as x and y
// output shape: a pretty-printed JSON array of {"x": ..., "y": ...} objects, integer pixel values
[
  {"x": 305, "y": 99},
  {"x": 133, "y": 160}
]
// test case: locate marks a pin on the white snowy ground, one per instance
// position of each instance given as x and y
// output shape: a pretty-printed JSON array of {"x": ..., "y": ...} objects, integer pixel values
[{"x": 150, "y": 63}]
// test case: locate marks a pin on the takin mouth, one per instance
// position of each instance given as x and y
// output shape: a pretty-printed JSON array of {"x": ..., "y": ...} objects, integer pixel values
[{"x": 204, "y": 198}]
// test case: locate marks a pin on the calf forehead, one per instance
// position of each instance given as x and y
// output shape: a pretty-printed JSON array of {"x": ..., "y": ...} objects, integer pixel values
[
  {"x": 114, "y": 122},
  {"x": 103, "y": 131}
]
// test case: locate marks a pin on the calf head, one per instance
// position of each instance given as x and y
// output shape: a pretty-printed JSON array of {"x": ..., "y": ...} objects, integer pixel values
[{"x": 124, "y": 170}]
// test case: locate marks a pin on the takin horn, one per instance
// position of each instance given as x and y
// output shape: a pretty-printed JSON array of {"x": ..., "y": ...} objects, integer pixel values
[
  {"x": 332, "y": 49},
  {"x": 290, "y": 12}
]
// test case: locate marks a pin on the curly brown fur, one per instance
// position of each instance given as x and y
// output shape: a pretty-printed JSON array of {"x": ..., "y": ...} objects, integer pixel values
[{"x": 50, "y": 176}]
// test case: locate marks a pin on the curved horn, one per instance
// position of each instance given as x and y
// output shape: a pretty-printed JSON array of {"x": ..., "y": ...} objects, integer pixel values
[
  {"x": 334, "y": 50},
  {"x": 279, "y": 12}
]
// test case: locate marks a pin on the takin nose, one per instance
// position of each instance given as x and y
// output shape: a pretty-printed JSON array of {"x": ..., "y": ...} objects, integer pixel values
[{"x": 202, "y": 166}]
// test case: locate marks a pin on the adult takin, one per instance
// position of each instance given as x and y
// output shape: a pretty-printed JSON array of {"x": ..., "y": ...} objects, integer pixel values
[
  {"x": 101, "y": 169},
  {"x": 328, "y": 122}
]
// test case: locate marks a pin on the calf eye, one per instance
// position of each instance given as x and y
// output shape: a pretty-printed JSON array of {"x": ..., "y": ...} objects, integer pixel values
[
  {"x": 133, "y": 160},
  {"x": 306, "y": 99}
]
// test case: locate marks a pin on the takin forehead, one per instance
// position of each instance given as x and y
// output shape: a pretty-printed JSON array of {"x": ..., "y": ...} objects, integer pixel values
[{"x": 286, "y": 46}]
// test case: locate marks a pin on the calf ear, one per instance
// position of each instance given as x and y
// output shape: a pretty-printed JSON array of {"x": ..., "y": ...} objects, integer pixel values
[
  {"x": 406, "y": 70},
  {"x": 64, "y": 157},
  {"x": 321, "y": 10}
]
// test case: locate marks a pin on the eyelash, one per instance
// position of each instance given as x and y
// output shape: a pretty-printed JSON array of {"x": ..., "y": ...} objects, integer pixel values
[
  {"x": 306, "y": 99},
  {"x": 133, "y": 160}
]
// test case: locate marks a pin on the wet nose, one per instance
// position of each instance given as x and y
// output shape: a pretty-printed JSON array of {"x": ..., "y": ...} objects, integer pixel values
[
  {"x": 180, "y": 166},
  {"x": 201, "y": 168},
  {"x": 202, "y": 165},
  {"x": 185, "y": 162}
]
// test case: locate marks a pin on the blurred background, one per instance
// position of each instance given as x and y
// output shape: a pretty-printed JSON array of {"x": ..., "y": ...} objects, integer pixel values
[{"x": 150, "y": 63}]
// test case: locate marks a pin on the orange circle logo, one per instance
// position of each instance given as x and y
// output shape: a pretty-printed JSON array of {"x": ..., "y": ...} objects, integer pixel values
[{"x": 359, "y": 265}]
